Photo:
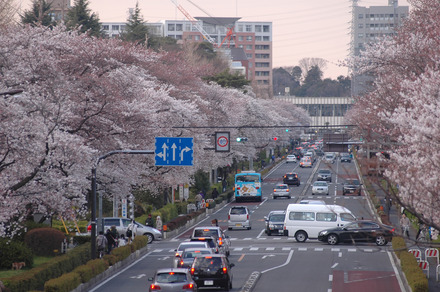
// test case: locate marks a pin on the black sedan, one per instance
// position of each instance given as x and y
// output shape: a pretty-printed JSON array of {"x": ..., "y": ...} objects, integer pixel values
[{"x": 358, "y": 231}]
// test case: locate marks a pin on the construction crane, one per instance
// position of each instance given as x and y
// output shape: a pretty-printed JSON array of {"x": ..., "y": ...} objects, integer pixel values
[{"x": 206, "y": 36}]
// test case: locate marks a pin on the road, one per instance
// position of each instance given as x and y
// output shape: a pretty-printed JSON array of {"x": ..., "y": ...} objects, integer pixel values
[{"x": 282, "y": 263}]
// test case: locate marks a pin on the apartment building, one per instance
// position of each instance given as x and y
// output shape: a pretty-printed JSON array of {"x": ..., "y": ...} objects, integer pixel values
[
  {"x": 372, "y": 24},
  {"x": 254, "y": 38}
]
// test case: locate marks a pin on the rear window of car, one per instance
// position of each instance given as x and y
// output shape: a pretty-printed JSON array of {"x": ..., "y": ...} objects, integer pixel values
[
  {"x": 212, "y": 263},
  {"x": 205, "y": 233},
  {"x": 238, "y": 211},
  {"x": 353, "y": 182},
  {"x": 184, "y": 246},
  {"x": 320, "y": 184},
  {"x": 193, "y": 254},
  {"x": 281, "y": 187},
  {"x": 171, "y": 277}
]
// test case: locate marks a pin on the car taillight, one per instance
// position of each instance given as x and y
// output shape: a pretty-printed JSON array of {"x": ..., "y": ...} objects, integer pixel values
[
  {"x": 192, "y": 271},
  {"x": 181, "y": 263},
  {"x": 247, "y": 216},
  {"x": 274, "y": 190},
  {"x": 220, "y": 241},
  {"x": 154, "y": 287},
  {"x": 238, "y": 188},
  {"x": 188, "y": 286},
  {"x": 287, "y": 190},
  {"x": 229, "y": 217},
  {"x": 225, "y": 270},
  {"x": 177, "y": 254}
]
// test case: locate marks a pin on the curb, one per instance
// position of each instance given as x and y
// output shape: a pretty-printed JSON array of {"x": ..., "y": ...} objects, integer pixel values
[{"x": 250, "y": 283}]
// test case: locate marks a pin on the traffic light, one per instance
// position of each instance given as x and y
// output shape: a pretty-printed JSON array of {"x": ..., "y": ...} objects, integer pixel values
[
  {"x": 287, "y": 130},
  {"x": 274, "y": 138},
  {"x": 242, "y": 139}
]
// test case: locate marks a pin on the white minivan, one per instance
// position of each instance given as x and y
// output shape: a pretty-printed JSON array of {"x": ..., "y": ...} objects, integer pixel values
[{"x": 305, "y": 221}]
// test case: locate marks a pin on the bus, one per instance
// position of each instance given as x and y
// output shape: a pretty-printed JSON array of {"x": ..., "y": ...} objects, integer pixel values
[{"x": 248, "y": 186}]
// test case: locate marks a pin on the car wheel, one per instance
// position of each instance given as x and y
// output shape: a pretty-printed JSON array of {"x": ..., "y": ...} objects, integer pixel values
[
  {"x": 359, "y": 193},
  {"x": 289, "y": 197},
  {"x": 301, "y": 236},
  {"x": 327, "y": 194},
  {"x": 227, "y": 286},
  {"x": 332, "y": 239},
  {"x": 380, "y": 240},
  {"x": 269, "y": 233},
  {"x": 249, "y": 228},
  {"x": 150, "y": 237},
  {"x": 274, "y": 197},
  {"x": 229, "y": 228},
  {"x": 343, "y": 193}
]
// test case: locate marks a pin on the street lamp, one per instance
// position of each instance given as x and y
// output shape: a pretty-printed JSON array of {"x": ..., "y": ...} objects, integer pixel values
[{"x": 93, "y": 219}]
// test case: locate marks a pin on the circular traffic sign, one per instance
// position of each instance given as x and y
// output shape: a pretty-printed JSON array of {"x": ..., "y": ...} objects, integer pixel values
[{"x": 222, "y": 141}]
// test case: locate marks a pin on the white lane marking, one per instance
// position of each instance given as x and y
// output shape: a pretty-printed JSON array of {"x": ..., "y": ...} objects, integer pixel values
[
  {"x": 330, "y": 278},
  {"x": 287, "y": 248},
  {"x": 340, "y": 255},
  {"x": 270, "y": 248},
  {"x": 238, "y": 249},
  {"x": 396, "y": 272},
  {"x": 335, "y": 249},
  {"x": 319, "y": 249},
  {"x": 286, "y": 263},
  {"x": 302, "y": 248},
  {"x": 254, "y": 248},
  {"x": 261, "y": 233},
  {"x": 351, "y": 250},
  {"x": 334, "y": 265}
]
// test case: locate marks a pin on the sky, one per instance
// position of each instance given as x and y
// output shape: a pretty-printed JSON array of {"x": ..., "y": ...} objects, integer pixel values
[{"x": 301, "y": 28}]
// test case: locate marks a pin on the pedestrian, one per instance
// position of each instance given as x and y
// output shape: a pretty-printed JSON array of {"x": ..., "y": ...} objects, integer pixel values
[
  {"x": 149, "y": 221},
  {"x": 273, "y": 158},
  {"x": 159, "y": 223},
  {"x": 131, "y": 231},
  {"x": 115, "y": 235},
  {"x": 101, "y": 243},
  {"x": 404, "y": 224},
  {"x": 214, "y": 193},
  {"x": 110, "y": 240},
  {"x": 421, "y": 227},
  {"x": 224, "y": 185},
  {"x": 199, "y": 199}
]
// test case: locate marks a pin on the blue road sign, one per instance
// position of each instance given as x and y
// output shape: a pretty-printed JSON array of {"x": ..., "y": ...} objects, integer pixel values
[{"x": 171, "y": 151}]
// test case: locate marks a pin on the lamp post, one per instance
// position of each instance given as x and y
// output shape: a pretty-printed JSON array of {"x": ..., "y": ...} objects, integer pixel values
[{"x": 93, "y": 219}]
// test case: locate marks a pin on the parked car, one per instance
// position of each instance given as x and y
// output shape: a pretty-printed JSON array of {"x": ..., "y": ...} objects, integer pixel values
[
  {"x": 275, "y": 222},
  {"x": 239, "y": 217},
  {"x": 345, "y": 157},
  {"x": 216, "y": 232},
  {"x": 281, "y": 190},
  {"x": 291, "y": 158},
  {"x": 325, "y": 175},
  {"x": 122, "y": 226},
  {"x": 320, "y": 188},
  {"x": 189, "y": 254},
  {"x": 306, "y": 161},
  {"x": 291, "y": 178},
  {"x": 183, "y": 246},
  {"x": 212, "y": 271},
  {"x": 351, "y": 186},
  {"x": 329, "y": 158},
  {"x": 358, "y": 231},
  {"x": 172, "y": 280}
]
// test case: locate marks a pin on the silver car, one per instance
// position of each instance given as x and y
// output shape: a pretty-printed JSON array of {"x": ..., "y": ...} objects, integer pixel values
[
  {"x": 239, "y": 217},
  {"x": 122, "y": 226},
  {"x": 172, "y": 280},
  {"x": 185, "y": 245},
  {"x": 281, "y": 190},
  {"x": 215, "y": 231},
  {"x": 320, "y": 188}
]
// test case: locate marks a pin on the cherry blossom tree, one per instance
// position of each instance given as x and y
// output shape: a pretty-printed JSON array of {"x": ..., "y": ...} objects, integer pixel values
[
  {"x": 401, "y": 113},
  {"x": 83, "y": 97}
]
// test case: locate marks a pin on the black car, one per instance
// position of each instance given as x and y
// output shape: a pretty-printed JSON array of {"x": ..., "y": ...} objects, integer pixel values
[
  {"x": 358, "y": 231},
  {"x": 275, "y": 222},
  {"x": 212, "y": 271},
  {"x": 345, "y": 157},
  {"x": 291, "y": 178},
  {"x": 351, "y": 186}
]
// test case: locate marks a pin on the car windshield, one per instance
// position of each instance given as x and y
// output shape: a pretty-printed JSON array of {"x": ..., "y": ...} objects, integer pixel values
[
  {"x": 171, "y": 277},
  {"x": 277, "y": 218},
  {"x": 353, "y": 182},
  {"x": 324, "y": 171},
  {"x": 320, "y": 184}
]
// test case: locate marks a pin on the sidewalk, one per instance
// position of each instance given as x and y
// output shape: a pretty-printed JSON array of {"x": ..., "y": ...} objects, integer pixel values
[{"x": 393, "y": 215}]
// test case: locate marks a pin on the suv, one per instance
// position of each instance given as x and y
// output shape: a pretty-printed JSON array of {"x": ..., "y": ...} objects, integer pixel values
[
  {"x": 275, "y": 222},
  {"x": 239, "y": 217},
  {"x": 216, "y": 232},
  {"x": 351, "y": 186},
  {"x": 325, "y": 174},
  {"x": 212, "y": 271},
  {"x": 291, "y": 178},
  {"x": 122, "y": 225}
]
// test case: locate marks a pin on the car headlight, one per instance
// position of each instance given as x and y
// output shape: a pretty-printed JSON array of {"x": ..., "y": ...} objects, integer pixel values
[
  {"x": 323, "y": 233},
  {"x": 271, "y": 226}
]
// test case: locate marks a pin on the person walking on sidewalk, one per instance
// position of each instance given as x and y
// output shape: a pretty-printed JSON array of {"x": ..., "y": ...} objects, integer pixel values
[{"x": 404, "y": 224}]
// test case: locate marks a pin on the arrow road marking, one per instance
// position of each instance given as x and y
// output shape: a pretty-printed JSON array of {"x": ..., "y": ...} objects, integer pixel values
[
  {"x": 186, "y": 149},
  {"x": 138, "y": 277},
  {"x": 174, "y": 151},
  {"x": 268, "y": 255},
  {"x": 163, "y": 259}
]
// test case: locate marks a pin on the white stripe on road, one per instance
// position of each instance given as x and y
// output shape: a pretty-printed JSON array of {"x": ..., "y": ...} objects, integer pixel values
[{"x": 286, "y": 263}]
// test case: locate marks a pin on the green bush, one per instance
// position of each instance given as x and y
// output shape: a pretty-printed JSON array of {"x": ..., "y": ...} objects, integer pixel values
[
  {"x": 81, "y": 239},
  {"x": 44, "y": 241},
  {"x": 65, "y": 283},
  {"x": 110, "y": 259},
  {"x": 91, "y": 269},
  {"x": 138, "y": 243},
  {"x": 399, "y": 245},
  {"x": 121, "y": 252},
  {"x": 12, "y": 251}
]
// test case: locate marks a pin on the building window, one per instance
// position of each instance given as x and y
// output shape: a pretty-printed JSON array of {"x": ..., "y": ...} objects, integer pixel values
[
  {"x": 262, "y": 47},
  {"x": 262, "y": 73},
  {"x": 249, "y": 38},
  {"x": 171, "y": 27},
  {"x": 240, "y": 38},
  {"x": 178, "y": 37},
  {"x": 327, "y": 110},
  {"x": 340, "y": 110},
  {"x": 248, "y": 47},
  {"x": 266, "y": 28},
  {"x": 105, "y": 27},
  {"x": 258, "y": 28},
  {"x": 361, "y": 25},
  {"x": 189, "y": 37},
  {"x": 179, "y": 27},
  {"x": 115, "y": 27},
  {"x": 266, "y": 38},
  {"x": 360, "y": 16},
  {"x": 262, "y": 56},
  {"x": 197, "y": 38},
  {"x": 250, "y": 65},
  {"x": 240, "y": 27},
  {"x": 249, "y": 56},
  {"x": 314, "y": 110},
  {"x": 258, "y": 38},
  {"x": 262, "y": 64},
  {"x": 248, "y": 28},
  {"x": 360, "y": 35},
  {"x": 187, "y": 27}
]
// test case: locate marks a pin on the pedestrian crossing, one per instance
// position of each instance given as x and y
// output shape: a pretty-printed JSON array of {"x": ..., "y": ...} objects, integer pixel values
[{"x": 290, "y": 248}]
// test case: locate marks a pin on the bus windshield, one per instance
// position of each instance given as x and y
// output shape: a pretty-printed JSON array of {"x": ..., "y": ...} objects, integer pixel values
[{"x": 247, "y": 178}]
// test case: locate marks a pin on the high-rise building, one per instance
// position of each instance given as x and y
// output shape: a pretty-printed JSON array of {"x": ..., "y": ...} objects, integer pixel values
[
  {"x": 372, "y": 24},
  {"x": 254, "y": 38}
]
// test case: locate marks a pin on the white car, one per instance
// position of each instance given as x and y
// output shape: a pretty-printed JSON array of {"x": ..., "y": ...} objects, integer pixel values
[
  {"x": 320, "y": 188},
  {"x": 281, "y": 190},
  {"x": 183, "y": 246},
  {"x": 330, "y": 158},
  {"x": 239, "y": 217},
  {"x": 291, "y": 158}
]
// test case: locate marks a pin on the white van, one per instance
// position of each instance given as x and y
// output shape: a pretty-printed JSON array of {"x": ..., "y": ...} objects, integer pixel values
[{"x": 304, "y": 221}]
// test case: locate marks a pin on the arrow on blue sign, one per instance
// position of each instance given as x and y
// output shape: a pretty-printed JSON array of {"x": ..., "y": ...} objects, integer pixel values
[{"x": 171, "y": 151}]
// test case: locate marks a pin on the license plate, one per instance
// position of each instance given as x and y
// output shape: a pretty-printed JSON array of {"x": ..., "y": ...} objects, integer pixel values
[
  {"x": 238, "y": 224},
  {"x": 209, "y": 282}
]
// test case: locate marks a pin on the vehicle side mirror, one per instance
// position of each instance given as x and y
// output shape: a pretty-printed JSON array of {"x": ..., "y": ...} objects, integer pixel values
[
  {"x": 150, "y": 279},
  {"x": 231, "y": 265},
  {"x": 261, "y": 179},
  {"x": 265, "y": 218}
]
